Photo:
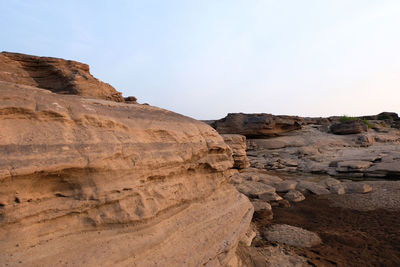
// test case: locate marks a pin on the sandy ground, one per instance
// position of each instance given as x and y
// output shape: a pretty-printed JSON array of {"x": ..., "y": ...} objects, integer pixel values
[
  {"x": 385, "y": 195},
  {"x": 356, "y": 230}
]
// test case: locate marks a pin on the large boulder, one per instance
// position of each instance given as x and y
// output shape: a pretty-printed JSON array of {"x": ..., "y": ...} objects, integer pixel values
[
  {"x": 257, "y": 125},
  {"x": 92, "y": 182},
  {"x": 349, "y": 127},
  {"x": 54, "y": 74},
  {"x": 237, "y": 143}
]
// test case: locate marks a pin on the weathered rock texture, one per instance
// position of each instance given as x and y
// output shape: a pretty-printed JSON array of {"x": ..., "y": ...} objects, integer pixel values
[
  {"x": 256, "y": 125},
  {"x": 311, "y": 150},
  {"x": 349, "y": 127},
  {"x": 237, "y": 143},
  {"x": 54, "y": 74},
  {"x": 90, "y": 182}
]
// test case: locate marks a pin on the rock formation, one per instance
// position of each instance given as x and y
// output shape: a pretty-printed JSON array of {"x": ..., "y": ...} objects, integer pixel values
[
  {"x": 54, "y": 74},
  {"x": 237, "y": 143},
  {"x": 93, "y": 182},
  {"x": 349, "y": 127},
  {"x": 312, "y": 150},
  {"x": 256, "y": 125}
]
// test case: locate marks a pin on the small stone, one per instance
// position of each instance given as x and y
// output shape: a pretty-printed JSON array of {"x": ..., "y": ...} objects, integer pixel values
[
  {"x": 262, "y": 209},
  {"x": 270, "y": 196},
  {"x": 337, "y": 189},
  {"x": 247, "y": 237},
  {"x": 285, "y": 186},
  {"x": 294, "y": 196},
  {"x": 260, "y": 205}
]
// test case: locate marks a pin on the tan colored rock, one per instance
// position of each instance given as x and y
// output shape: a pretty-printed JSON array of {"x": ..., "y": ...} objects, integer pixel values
[
  {"x": 285, "y": 186},
  {"x": 257, "y": 175},
  {"x": 254, "y": 189},
  {"x": 352, "y": 165},
  {"x": 260, "y": 205},
  {"x": 312, "y": 187},
  {"x": 328, "y": 182},
  {"x": 357, "y": 187},
  {"x": 94, "y": 182},
  {"x": 270, "y": 196},
  {"x": 294, "y": 196},
  {"x": 291, "y": 235},
  {"x": 55, "y": 74},
  {"x": 237, "y": 143},
  {"x": 338, "y": 189}
]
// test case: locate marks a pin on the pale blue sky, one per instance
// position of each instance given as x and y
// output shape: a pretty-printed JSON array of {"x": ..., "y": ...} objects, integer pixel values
[{"x": 206, "y": 58}]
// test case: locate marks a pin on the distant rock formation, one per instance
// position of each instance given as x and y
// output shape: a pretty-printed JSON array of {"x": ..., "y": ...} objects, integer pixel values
[
  {"x": 257, "y": 125},
  {"x": 54, "y": 74},
  {"x": 349, "y": 127},
  {"x": 93, "y": 182}
]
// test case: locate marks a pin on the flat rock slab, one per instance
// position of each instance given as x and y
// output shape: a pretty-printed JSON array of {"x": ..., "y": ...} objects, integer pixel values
[
  {"x": 254, "y": 189},
  {"x": 291, "y": 235},
  {"x": 357, "y": 187},
  {"x": 338, "y": 189},
  {"x": 258, "y": 176},
  {"x": 353, "y": 165},
  {"x": 328, "y": 182},
  {"x": 312, "y": 187}
]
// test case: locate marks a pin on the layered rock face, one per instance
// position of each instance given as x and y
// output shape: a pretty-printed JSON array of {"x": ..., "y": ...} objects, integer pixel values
[
  {"x": 54, "y": 74},
  {"x": 349, "y": 127},
  {"x": 237, "y": 143},
  {"x": 256, "y": 125},
  {"x": 99, "y": 183}
]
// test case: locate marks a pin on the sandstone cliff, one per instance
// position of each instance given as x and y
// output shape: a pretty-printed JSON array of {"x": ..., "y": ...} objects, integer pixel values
[
  {"x": 99, "y": 183},
  {"x": 54, "y": 74}
]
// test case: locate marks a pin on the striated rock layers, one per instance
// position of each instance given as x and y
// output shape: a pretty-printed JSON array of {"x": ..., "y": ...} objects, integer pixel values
[
  {"x": 257, "y": 125},
  {"x": 54, "y": 74},
  {"x": 237, "y": 143},
  {"x": 90, "y": 182}
]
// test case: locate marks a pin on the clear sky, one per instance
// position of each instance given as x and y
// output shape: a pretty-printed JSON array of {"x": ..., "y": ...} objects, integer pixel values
[{"x": 206, "y": 58}]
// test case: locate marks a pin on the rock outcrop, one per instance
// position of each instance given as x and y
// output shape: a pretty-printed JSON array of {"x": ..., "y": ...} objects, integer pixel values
[
  {"x": 310, "y": 150},
  {"x": 92, "y": 182},
  {"x": 256, "y": 125},
  {"x": 349, "y": 127},
  {"x": 54, "y": 74},
  {"x": 237, "y": 143}
]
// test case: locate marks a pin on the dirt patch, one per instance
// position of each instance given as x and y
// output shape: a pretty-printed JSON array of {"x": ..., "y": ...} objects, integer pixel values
[{"x": 350, "y": 237}]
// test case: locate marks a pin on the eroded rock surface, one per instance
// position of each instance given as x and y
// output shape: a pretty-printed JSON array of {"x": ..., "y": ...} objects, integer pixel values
[
  {"x": 94, "y": 182},
  {"x": 256, "y": 125},
  {"x": 237, "y": 143},
  {"x": 291, "y": 235},
  {"x": 374, "y": 154},
  {"x": 54, "y": 74}
]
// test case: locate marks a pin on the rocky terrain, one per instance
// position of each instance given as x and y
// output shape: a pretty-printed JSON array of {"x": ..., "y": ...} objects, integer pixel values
[
  {"x": 355, "y": 148},
  {"x": 90, "y": 178},
  {"x": 305, "y": 217},
  {"x": 85, "y": 181}
]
